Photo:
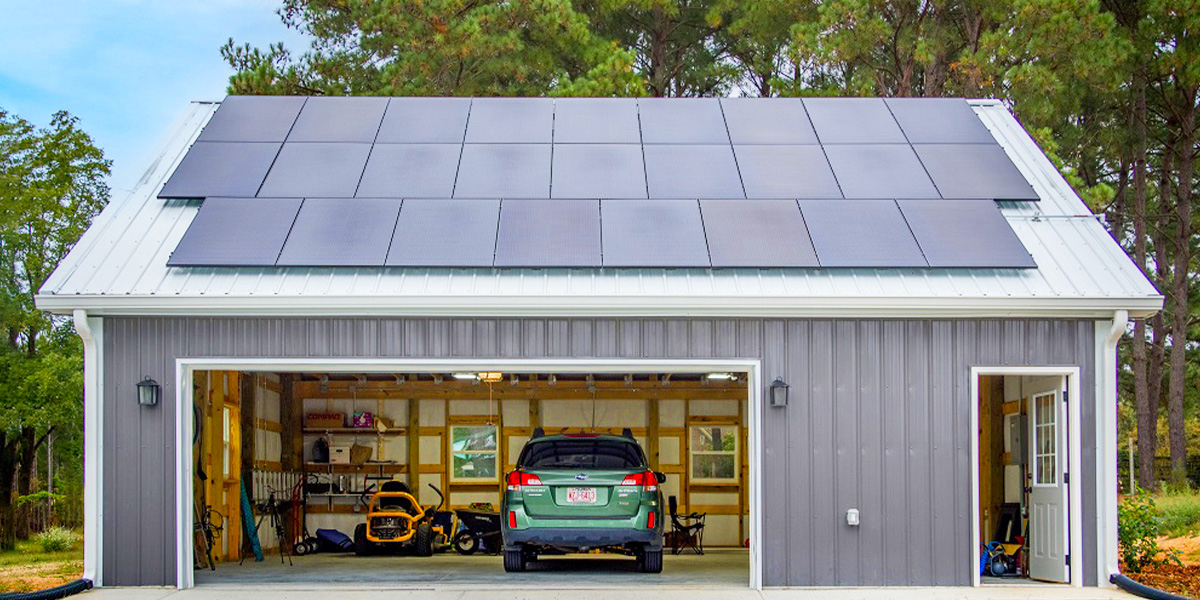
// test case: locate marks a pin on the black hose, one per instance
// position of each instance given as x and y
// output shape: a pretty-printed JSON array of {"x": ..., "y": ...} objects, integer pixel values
[
  {"x": 1144, "y": 591},
  {"x": 62, "y": 591}
]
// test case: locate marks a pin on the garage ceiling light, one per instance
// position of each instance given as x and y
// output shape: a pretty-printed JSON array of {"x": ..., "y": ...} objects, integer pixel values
[
  {"x": 466, "y": 376},
  {"x": 491, "y": 377},
  {"x": 721, "y": 376}
]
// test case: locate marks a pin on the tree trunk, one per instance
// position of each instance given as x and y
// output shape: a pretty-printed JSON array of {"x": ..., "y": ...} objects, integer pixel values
[
  {"x": 1145, "y": 409},
  {"x": 8, "y": 474},
  {"x": 1179, "y": 293},
  {"x": 25, "y": 463}
]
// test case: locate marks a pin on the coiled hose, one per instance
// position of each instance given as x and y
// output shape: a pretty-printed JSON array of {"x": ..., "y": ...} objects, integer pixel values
[
  {"x": 62, "y": 591},
  {"x": 1144, "y": 591}
]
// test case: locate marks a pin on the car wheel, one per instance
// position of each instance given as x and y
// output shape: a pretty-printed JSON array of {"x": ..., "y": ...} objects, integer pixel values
[
  {"x": 650, "y": 561},
  {"x": 514, "y": 561},
  {"x": 362, "y": 546},
  {"x": 424, "y": 539},
  {"x": 465, "y": 543}
]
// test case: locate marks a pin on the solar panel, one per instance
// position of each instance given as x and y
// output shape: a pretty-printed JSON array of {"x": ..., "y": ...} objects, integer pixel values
[
  {"x": 596, "y": 121},
  {"x": 221, "y": 169},
  {"x": 549, "y": 233},
  {"x": 786, "y": 172},
  {"x": 860, "y": 233},
  {"x": 974, "y": 171},
  {"x": 756, "y": 233},
  {"x": 682, "y": 121},
  {"x": 511, "y": 121},
  {"x": 323, "y": 170},
  {"x": 252, "y": 119},
  {"x": 236, "y": 232},
  {"x": 768, "y": 121},
  {"x": 407, "y": 170},
  {"x": 692, "y": 172},
  {"x": 598, "y": 171},
  {"x": 424, "y": 121},
  {"x": 445, "y": 233},
  {"x": 939, "y": 121},
  {"x": 341, "y": 232},
  {"x": 653, "y": 233},
  {"x": 965, "y": 233},
  {"x": 339, "y": 119},
  {"x": 853, "y": 121},
  {"x": 504, "y": 171},
  {"x": 879, "y": 171}
]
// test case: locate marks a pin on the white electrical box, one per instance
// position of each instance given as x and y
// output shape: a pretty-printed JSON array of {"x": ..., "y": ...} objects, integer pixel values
[{"x": 852, "y": 517}]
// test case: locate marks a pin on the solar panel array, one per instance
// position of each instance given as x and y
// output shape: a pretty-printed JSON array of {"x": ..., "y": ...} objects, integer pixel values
[{"x": 588, "y": 182}]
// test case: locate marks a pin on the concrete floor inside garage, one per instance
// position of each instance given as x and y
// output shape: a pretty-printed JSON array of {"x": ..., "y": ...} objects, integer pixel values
[{"x": 724, "y": 568}]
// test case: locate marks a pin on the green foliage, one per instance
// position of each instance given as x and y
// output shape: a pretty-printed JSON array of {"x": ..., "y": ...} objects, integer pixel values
[
  {"x": 56, "y": 539},
  {"x": 1139, "y": 527},
  {"x": 1179, "y": 513},
  {"x": 37, "y": 497}
]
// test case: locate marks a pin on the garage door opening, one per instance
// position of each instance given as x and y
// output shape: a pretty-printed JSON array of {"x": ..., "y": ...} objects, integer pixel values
[{"x": 293, "y": 456}]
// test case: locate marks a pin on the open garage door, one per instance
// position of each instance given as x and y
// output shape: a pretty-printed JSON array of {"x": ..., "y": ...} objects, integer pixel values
[{"x": 386, "y": 479}]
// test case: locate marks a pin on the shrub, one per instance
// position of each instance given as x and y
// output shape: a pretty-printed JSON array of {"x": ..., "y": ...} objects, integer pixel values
[
  {"x": 1137, "y": 533},
  {"x": 56, "y": 539}
]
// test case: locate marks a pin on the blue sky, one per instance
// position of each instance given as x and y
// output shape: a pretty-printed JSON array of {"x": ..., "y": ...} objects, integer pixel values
[{"x": 126, "y": 68}]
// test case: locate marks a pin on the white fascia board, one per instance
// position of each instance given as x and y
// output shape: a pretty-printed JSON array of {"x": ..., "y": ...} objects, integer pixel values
[{"x": 599, "y": 306}]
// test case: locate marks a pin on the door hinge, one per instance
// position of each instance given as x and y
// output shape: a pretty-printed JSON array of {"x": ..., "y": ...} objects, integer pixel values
[
  {"x": 1068, "y": 557},
  {"x": 1065, "y": 395},
  {"x": 1066, "y": 478}
]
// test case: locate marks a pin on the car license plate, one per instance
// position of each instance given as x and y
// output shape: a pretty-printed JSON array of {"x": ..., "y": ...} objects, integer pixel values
[{"x": 581, "y": 495}]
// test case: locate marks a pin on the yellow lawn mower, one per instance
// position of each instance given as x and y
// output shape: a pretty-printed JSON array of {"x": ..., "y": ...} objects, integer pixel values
[{"x": 397, "y": 521}]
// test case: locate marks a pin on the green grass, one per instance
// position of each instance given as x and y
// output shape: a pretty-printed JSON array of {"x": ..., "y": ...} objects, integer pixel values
[
  {"x": 28, "y": 568},
  {"x": 1180, "y": 513}
]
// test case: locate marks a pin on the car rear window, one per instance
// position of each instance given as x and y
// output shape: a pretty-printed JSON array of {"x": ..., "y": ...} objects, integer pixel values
[{"x": 582, "y": 454}]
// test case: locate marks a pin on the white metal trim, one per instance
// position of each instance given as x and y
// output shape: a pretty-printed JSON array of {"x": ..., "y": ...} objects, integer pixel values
[
  {"x": 184, "y": 367},
  {"x": 91, "y": 331},
  {"x": 600, "y": 306},
  {"x": 1074, "y": 462}
]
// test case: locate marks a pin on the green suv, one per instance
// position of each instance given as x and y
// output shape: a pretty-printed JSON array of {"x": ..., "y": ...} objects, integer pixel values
[{"x": 580, "y": 492}]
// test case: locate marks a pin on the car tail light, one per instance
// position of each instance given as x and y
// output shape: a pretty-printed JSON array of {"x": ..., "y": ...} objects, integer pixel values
[
  {"x": 648, "y": 480},
  {"x": 516, "y": 479},
  {"x": 512, "y": 520},
  {"x": 650, "y": 521}
]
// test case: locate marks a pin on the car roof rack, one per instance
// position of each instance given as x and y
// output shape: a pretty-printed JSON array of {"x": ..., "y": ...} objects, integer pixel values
[
  {"x": 627, "y": 432},
  {"x": 538, "y": 432}
]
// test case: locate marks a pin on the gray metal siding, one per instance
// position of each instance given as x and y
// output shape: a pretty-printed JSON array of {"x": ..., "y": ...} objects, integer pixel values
[{"x": 879, "y": 419}]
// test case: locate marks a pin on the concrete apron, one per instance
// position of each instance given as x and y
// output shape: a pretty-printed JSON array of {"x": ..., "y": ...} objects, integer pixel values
[{"x": 990, "y": 592}]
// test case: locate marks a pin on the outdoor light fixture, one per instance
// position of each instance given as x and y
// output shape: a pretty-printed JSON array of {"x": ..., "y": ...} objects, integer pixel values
[
  {"x": 721, "y": 376},
  {"x": 148, "y": 392},
  {"x": 779, "y": 393}
]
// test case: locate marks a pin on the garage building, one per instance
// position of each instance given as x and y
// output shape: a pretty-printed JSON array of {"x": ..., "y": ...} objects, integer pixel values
[{"x": 863, "y": 337}]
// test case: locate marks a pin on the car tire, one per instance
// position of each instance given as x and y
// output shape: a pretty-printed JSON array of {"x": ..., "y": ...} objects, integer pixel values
[
  {"x": 650, "y": 561},
  {"x": 424, "y": 539},
  {"x": 514, "y": 561},
  {"x": 362, "y": 546},
  {"x": 465, "y": 543}
]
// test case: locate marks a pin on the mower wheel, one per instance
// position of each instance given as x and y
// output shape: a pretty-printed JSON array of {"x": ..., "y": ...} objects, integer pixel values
[
  {"x": 362, "y": 546},
  {"x": 424, "y": 539},
  {"x": 514, "y": 561},
  {"x": 300, "y": 549},
  {"x": 465, "y": 543}
]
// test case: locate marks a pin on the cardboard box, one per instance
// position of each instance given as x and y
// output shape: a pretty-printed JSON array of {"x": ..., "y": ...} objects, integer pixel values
[
  {"x": 339, "y": 455},
  {"x": 324, "y": 420}
]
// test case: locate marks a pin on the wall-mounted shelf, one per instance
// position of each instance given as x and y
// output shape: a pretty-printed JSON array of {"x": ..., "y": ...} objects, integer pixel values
[{"x": 351, "y": 431}]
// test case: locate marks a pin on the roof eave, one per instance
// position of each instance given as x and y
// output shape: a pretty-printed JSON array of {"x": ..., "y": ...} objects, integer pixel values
[{"x": 602, "y": 306}]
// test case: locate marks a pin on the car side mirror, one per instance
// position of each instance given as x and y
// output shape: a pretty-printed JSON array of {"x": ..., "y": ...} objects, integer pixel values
[{"x": 660, "y": 476}]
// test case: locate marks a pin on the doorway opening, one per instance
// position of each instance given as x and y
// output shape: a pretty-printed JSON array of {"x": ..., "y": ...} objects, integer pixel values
[
  {"x": 304, "y": 448},
  {"x": 1023, "y": 460}
]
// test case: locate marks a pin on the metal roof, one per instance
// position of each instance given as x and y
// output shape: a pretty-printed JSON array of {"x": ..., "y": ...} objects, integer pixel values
[{"x": 119, "y": 267}]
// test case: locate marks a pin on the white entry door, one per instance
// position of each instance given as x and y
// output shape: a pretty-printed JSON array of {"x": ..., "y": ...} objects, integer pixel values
[{"x": 1048, "y": 548}]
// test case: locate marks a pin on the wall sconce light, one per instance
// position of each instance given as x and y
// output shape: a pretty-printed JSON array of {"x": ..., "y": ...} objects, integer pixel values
[
  {"x": 148, "y": 392},
  {"x": 779, "y": 393}
]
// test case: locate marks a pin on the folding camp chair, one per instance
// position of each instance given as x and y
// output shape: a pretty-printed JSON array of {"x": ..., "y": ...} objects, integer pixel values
[{"x": 687, "y": 531}]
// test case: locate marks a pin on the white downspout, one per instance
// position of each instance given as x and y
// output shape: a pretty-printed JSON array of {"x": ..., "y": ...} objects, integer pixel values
[
  {"x": 91, "y": 331},
  {"x": 1106, "y": 466}
]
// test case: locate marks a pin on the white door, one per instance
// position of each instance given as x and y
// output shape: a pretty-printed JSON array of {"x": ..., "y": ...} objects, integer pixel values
[{"x": 1048, "y": 549}]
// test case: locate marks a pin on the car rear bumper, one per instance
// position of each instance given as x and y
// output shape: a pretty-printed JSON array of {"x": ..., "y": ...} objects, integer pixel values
[{"x": 582, "y": 537}]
